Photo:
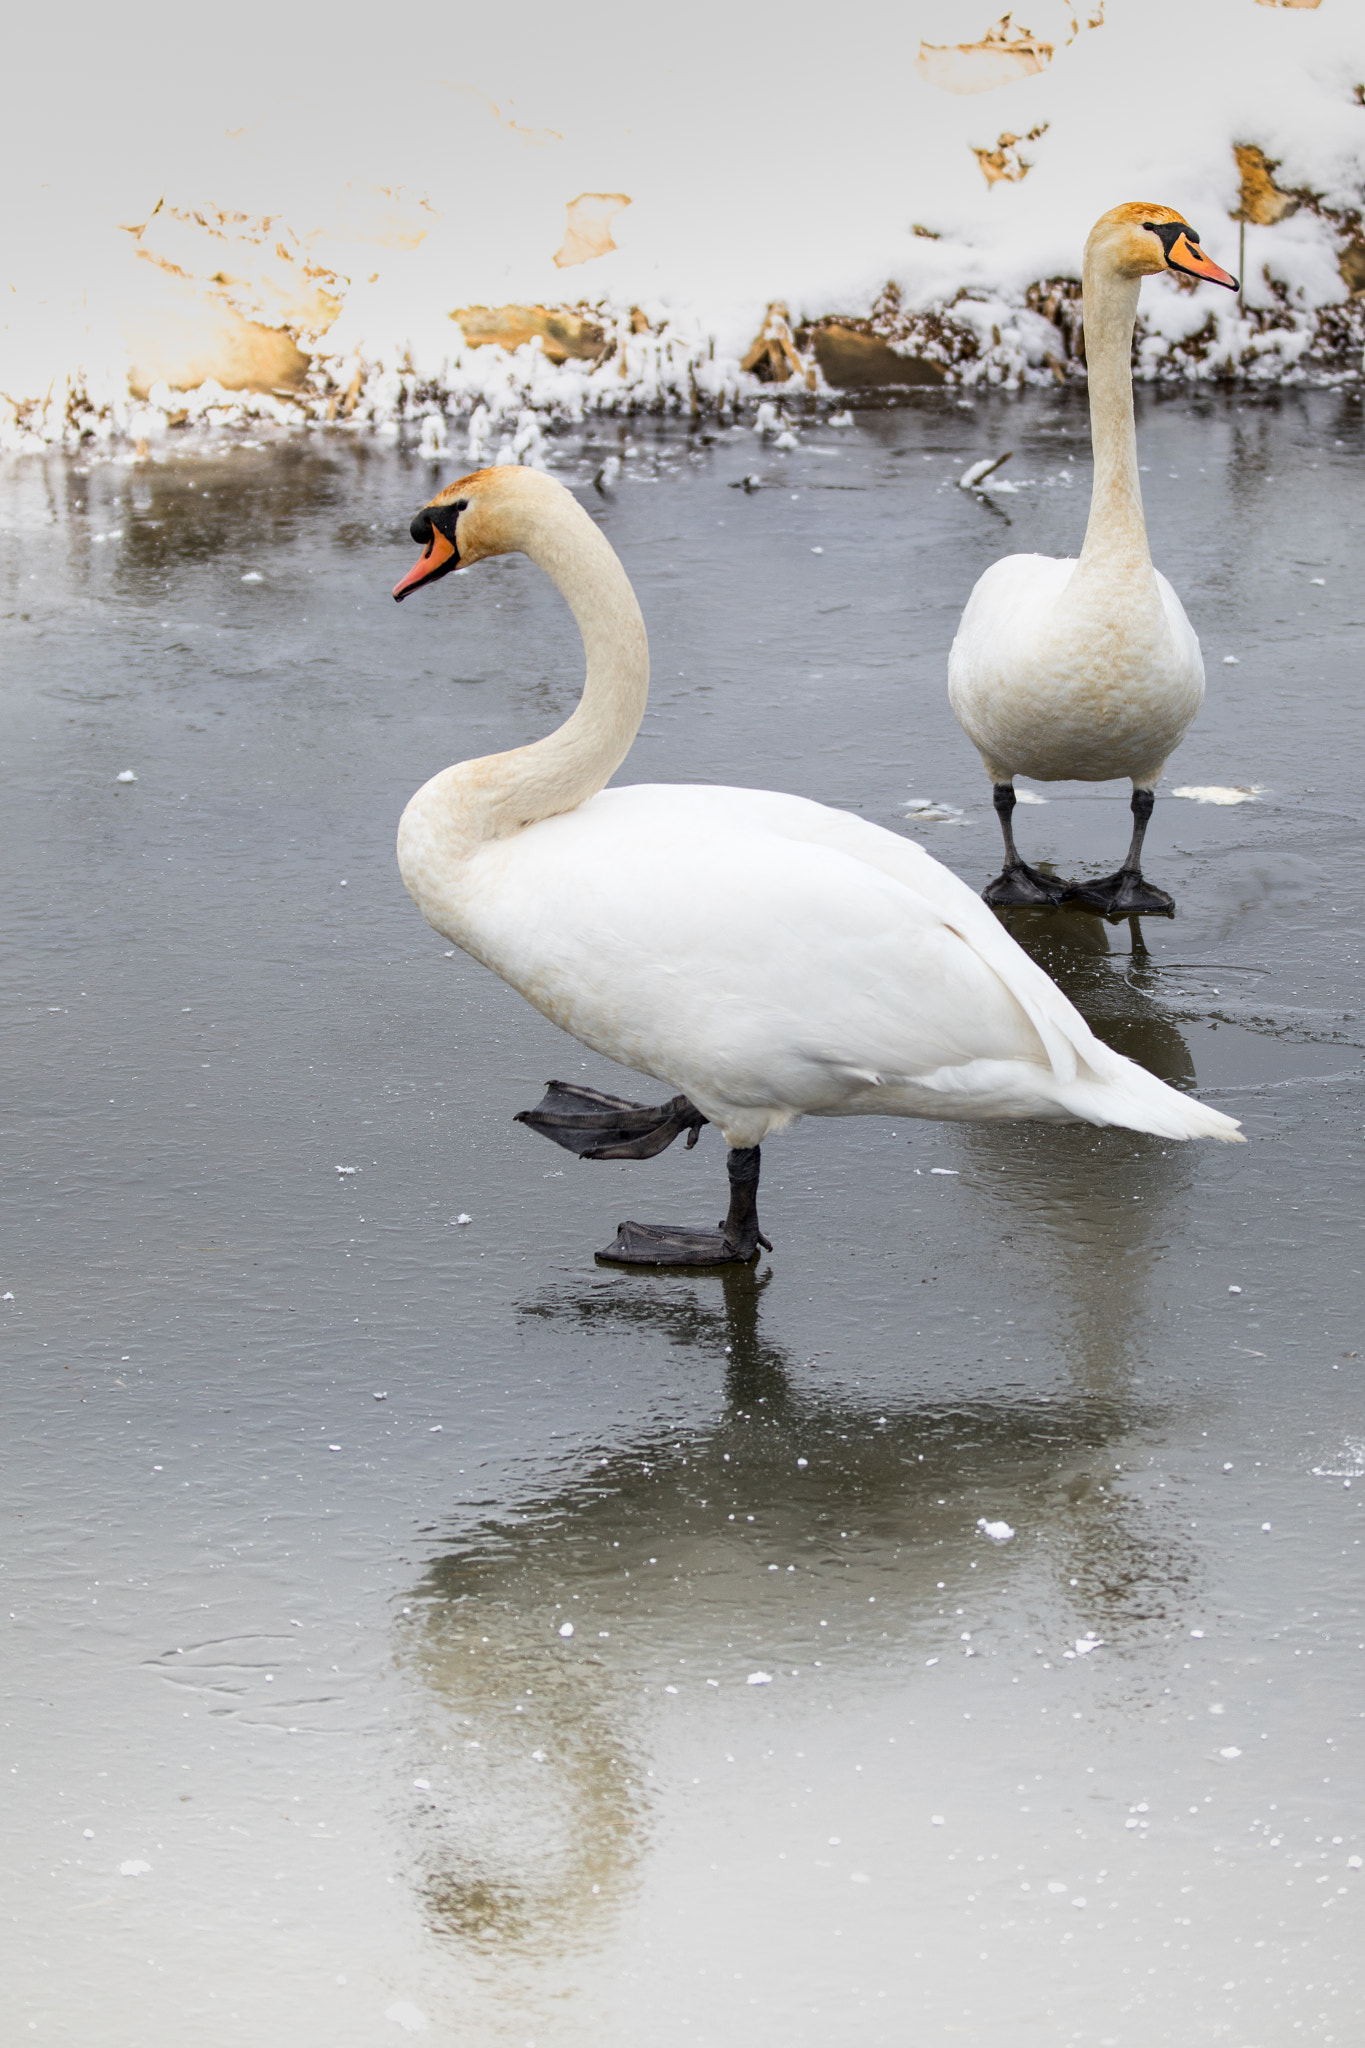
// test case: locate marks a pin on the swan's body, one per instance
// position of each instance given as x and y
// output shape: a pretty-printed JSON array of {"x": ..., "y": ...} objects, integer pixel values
[
  {"x": 772, "y": 959},
  {"x": 765, "y": 956},
  {"x": 1089, "y": 670},
  {"x": 1058, "y": 675}
]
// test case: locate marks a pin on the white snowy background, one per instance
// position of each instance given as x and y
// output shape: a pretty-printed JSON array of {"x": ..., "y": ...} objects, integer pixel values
[{"x": 195, "y": 199}]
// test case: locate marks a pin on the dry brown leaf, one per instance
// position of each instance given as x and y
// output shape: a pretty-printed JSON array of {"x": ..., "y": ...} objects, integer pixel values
[
  {"x": 1002, "y": 55},
  {"x": 772, "y": 354},
  {"x": 588, "y": 227},
  {"x": 1004, "y": 162},
  {"x": 564, "y": 334},
  {"x": 1261, "y": 200}
]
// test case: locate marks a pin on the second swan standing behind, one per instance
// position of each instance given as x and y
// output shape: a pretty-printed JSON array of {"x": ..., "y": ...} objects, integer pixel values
[
  {"x": 767, "y": 957},
  {"x": 1089, "y": 670}
]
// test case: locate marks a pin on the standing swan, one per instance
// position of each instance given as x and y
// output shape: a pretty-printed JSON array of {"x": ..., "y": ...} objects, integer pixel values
[
  {"x": 1089, "y": 669},
  {"x": 767, "y": 957}
]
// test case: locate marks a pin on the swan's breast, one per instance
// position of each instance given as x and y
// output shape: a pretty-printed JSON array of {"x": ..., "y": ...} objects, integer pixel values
[{"x": 1060, "y": 675}]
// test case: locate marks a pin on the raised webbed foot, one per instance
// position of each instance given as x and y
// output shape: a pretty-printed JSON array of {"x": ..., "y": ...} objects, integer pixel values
[
  {"x": 1121, "y": 895},
  {"x": 597, "y": 1126},
  {"x": 1020, "y": 887}
]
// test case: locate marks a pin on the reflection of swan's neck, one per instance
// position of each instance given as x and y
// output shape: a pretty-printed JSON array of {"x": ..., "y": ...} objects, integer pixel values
[
  {"x": 500, "y": 794},
  {"x": 1116, "y": 534}
]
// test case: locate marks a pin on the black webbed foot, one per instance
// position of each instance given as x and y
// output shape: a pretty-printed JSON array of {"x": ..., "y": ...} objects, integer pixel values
[
  {"x": 1121, "y": 895},
  {"x": 670, "y": 1244},
  {"x": 733, "y": 1242},
  {"x": 597, "y": 1126},
  {"x": 1020, "y": 887}
]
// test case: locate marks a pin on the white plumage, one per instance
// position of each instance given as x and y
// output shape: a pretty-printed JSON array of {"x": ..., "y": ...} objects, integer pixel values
[
  {"x": 1088, "y": 669},
  {"x": 1063, "y": 676},
  {"x": 762, "y": 955},
  {"x": 771, "y": 958}
]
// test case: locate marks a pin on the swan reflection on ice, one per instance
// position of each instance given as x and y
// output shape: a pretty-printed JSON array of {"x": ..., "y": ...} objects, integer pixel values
[{"x": 800, "y": 1538}]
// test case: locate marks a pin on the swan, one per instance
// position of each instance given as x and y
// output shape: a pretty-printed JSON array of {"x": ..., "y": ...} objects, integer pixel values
[
  {"x": 1089, "y": 670},
  {"x": 767, "y": 958}
]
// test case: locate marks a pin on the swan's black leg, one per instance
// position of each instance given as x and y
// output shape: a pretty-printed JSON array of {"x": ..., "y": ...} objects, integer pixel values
[
  {"x": 1125, "y": 894},
  {"x": 737, "y": 1239},
  {"x": 597, "y": 1126},
  {"x": 1018, "y": 885}
]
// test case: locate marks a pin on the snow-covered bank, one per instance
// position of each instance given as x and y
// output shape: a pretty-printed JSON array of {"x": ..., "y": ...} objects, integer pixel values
[{"x": 496, "y": 222}]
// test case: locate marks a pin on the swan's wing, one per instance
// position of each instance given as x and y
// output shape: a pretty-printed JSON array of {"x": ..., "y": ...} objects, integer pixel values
[
  {"x": 721, "y": 931},
  {"x": 1008, "y": 607},
  {"x": 1186, "y": 640},
  {"x": 1091, "y": 1079},
  {"x": 757, "y": 948},
  {"x": 943, "y": 900}
]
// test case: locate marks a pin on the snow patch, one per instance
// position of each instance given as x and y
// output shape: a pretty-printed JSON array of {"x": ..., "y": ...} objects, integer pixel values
[
  {"x": 927, "y": 810},
  {"x": 1219, "y": 793},
  {"x": 265, "y": 263},
  {"x": 408, "y": 2016}
]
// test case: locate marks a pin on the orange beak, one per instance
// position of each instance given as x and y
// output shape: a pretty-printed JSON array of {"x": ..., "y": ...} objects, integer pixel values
[
  {"x": 426, "y": 565},
  {"x": 1188, "y": 256}
]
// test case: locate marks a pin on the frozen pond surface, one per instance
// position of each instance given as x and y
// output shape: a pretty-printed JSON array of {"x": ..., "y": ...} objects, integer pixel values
[{"x": 305, "y": 1480}]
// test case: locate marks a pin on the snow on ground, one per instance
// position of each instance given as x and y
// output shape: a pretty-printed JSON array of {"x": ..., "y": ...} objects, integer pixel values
[{"x": 280, "y": 213}]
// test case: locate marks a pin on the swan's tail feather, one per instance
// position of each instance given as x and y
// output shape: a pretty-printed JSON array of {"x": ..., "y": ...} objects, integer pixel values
[{"x": 1137, "y": 1101}]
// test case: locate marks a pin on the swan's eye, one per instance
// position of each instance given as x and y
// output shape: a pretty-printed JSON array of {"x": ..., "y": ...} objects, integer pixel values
[
  {"x": 444, "y": 518},
  {"x": 1168, "y": 233}
]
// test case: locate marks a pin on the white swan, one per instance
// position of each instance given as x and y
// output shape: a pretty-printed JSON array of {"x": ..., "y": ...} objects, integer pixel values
[
  {"x": 1089, "y": 669},
  {"x": 769, "y": 958}
]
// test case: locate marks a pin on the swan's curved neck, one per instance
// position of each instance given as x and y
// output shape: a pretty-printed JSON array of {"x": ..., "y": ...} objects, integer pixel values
[
  {"x": 1116, "y": 533},
  {"x": 500, "y": 794}
]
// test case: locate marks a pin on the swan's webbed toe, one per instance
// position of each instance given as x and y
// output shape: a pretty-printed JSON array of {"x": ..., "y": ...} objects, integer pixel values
[
  {"x": 734, "y": 1242},
  {"x": 672, "y": 1244},
  {"x": 1020, "y": 887},
  {"x": 1121, "y": 895},
  {"x": 598, "y": 1126}
]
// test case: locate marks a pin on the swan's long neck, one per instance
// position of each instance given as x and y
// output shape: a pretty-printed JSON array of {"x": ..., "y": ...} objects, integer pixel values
[
  {"x": 571, "y": 764},
  {"x": 500, "y": 794},
  {"x": 1116, "y": 535}
]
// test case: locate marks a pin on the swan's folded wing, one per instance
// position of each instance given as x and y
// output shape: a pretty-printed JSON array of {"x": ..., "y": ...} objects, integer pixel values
[
  {"x": 941, "y": 898},
  {"x": 1093, "y": 1080},
  {"x": 753, "y": 931},
  {"x": 758, "y": 950}
]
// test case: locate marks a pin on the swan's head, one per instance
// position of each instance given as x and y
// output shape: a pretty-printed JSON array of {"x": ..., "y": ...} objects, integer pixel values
[
  {"x": 1137, "y": 240},
  {"x": 481, "y": 514}
]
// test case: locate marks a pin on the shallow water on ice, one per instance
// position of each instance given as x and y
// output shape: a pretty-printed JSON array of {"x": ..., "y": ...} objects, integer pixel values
[{"x": 419, "y": 1629}]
